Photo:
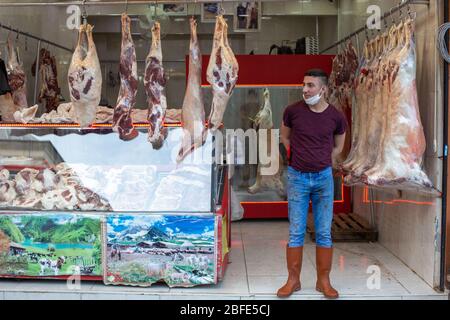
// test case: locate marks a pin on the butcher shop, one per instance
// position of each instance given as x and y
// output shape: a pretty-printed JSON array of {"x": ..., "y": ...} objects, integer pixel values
[{"x": 224, "y": 149}]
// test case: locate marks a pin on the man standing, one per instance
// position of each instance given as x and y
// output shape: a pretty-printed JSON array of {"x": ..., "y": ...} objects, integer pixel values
[{"x": 313, "y": 133}]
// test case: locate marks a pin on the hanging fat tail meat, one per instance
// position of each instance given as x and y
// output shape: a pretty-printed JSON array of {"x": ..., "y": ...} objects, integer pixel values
[
  {"x": 122, "y": 122},
  {"x": 85, "y": 78},
  {"x": 16, "y": 77},
  {"x": 222, "y": 73},
  {"x": 154, "y": 83},
  {"x": 193, "y": 111}
]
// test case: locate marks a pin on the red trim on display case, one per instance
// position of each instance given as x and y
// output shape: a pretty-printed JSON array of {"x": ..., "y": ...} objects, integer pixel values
[{"x": 279, "y": 209}]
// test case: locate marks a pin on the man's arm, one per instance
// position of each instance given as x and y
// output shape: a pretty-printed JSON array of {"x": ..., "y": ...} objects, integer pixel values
[
  {"x": 339, "y": 141},
  {"x": 285, "y": 136},
  {"x": 285, "y": 139}
]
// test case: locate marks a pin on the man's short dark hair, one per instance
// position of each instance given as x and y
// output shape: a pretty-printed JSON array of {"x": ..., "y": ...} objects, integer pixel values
[{"x": 318, "y": 73}]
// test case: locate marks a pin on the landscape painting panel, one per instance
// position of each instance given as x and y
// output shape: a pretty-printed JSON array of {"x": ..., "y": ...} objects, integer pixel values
[
  {"x": 142, "y": 250},
  {"x": 50, "y": 245}
]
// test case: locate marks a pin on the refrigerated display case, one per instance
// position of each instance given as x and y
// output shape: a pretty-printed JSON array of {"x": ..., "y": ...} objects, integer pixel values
[{"x": 108, "y": 209}]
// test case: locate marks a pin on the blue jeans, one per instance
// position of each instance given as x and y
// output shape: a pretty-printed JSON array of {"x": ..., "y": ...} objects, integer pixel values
[{"x": 319, "y": 188}]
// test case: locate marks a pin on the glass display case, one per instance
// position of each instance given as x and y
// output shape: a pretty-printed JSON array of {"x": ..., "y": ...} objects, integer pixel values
[
  {"x": 82, "y": 201},
  {"x": 267, "y": 201}
]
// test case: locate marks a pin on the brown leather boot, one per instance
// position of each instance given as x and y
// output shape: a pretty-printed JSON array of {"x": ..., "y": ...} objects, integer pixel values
[
  {"x": 324, "y": 258},
  {"x": 294, "y": 265}
]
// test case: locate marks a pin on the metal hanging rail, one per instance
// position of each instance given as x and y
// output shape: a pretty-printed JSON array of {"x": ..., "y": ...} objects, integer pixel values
[
  {"x": 107, "y": 3},
  {"x": 386, "y": 15},
  {"x": 34, "y": 37}
]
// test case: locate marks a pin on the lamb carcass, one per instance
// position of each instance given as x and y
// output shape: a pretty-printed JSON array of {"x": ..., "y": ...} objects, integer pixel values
[
  {"x": 85, "y": 78},
  {"x": 222, "y": 73},
  {"x": 122, "y": 121},
  {"x": 154, "y": 83},
  {"x": 16, "y": 77},
  {"x": 193, "y": 111},
  {"x": 264, "y": 121}
]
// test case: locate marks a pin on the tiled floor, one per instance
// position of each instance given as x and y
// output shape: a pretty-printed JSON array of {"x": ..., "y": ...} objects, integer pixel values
[{"x": 256, "y": 270}]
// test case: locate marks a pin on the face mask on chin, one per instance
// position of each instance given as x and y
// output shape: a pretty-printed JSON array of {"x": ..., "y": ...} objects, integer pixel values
[{"x": 313, "y": 100}]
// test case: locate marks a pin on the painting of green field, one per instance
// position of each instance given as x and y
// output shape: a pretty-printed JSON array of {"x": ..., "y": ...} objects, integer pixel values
[{"x": 50, "y": 245}]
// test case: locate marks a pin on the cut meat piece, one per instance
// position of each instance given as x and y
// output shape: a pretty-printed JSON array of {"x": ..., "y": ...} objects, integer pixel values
[
  {"x": 85, "y": 78},
  {"x": 193, "y": 111},
  {"x": 16, "y": 77},
  {"x": 24, "y": 180},
  {"x": 60, "y": 199},
  {"x": 48, "y": 76},
  {"x": 7, "y": 192},
  {"x": 89, "y": 200},
  {"x": 154, "y": 83},
  {"x": 4, "y": 174},
  {"x": 25, "y": 115},
  {"x": 222, "y": 73},
  {"x": 122, "y": 122}
]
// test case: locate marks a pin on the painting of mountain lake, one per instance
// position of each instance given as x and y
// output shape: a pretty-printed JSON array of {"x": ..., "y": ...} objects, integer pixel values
[
  {"x": 50, "y": 245},
  {"x": 142, "y": 250}
]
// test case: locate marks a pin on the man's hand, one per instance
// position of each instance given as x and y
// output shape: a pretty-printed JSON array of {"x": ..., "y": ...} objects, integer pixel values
[{"x": 336, "y": 155}]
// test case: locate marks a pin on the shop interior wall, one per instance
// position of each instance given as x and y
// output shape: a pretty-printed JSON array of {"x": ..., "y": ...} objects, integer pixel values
[
  {"x": 409, "y": 224},
  {"x": 48, "y": 23}
]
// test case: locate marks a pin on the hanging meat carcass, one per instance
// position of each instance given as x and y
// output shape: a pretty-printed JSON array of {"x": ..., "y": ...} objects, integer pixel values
[
  {"x": 264, "y": 121},
  {"x": 341, "y": 87},
  {"x": 222, "y": 73},
  {"x": 154, "y": 83},
  {"x": 341, "y": 82},
  {"x": 396, "y": 138},
  {"x": 85, "y": 78},
  {"x": 122, "y": 121},
  {"x": 358, "y": 110},
  {"x": 193, "y": 111},
  {"x": 371, "y": 116},
  {"x": 48, "y": 74},
  {"x": 16, "y": 77}
]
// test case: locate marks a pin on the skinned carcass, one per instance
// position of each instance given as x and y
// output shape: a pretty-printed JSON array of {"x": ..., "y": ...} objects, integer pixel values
[
  {"x": 222, "y": 73},
  {"x": 122, "y": 121},
  {"x": 394, "y": 142},
  {"x": 264, "y": 121},
  {"x": 193, "y": 111},
  {"x": 16, "y": 77},
  {"x": 154, "y": 83},
  {"x": 85, "y": 78}
]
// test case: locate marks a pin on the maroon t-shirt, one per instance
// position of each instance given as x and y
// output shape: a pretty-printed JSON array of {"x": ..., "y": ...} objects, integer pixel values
[{"x": 312, "y": 135}]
